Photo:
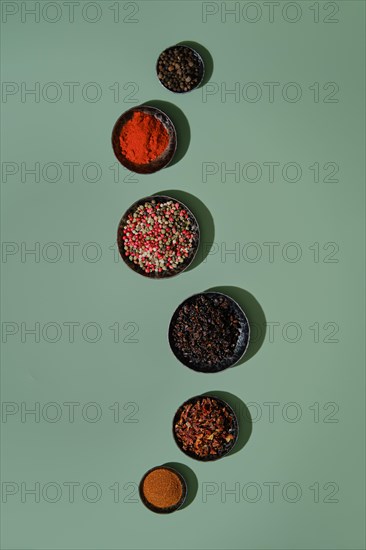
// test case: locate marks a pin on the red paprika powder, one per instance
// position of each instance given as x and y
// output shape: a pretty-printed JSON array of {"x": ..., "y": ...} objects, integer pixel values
[{"x": 143, "y": 138}]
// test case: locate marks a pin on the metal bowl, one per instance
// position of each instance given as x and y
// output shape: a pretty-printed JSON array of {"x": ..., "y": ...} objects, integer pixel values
[
  {"x": 234, "y": 431},
  {"x": 164, "y": 274},
  {"x": 164, "y": 159},
  {"x": 241, "y": 345},
  {"x": 200, "y": 64},
  {"x": 170, "y": 508}
]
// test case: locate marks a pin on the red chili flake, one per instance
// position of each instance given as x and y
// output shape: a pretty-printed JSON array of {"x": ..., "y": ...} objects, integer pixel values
[{"x": 206, "y": 428}]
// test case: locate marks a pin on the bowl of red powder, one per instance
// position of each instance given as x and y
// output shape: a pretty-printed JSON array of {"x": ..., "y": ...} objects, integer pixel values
[
  {"x": 144, "y": 139},
  {"x": 158, "y": 237}
]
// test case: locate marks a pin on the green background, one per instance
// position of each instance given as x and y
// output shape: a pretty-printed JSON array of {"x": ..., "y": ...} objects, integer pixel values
[{"x": 328, "y": 450}]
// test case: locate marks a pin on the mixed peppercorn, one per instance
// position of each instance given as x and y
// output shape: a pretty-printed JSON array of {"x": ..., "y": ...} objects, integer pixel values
[
  {"x": 205, "y": 427},
  {"x": 158, "y": 236}
]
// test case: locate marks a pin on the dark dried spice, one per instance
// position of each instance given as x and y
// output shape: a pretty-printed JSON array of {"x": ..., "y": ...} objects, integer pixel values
[
  {"x": 205, "y": 427},
  {"x": 206, "y": 330},
  {"x": 180, "y": 69}
]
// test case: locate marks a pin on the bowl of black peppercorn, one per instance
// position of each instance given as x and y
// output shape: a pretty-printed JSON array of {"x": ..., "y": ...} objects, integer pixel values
[{"x": 180, "y": 69}]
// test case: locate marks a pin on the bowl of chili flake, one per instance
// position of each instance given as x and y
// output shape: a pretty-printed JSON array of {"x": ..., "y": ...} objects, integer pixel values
[
  {"x": 158, "y": 237},
  {"x": 205, "y": 428},
  {"x": 144, "y": 139},
  {"x": 209, "y": 332}
]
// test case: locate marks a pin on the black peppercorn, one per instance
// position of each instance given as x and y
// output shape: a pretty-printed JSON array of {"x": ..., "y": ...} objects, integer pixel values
[{"x": 180, "y": 69}]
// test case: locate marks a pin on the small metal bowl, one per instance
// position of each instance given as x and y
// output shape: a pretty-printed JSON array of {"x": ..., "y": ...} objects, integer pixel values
[
  {"x": 234, "y": 431},
  {"x": 241, "y": 345},
  {"x": 201, "y": 67},
  {"x": 170, "y": 508},
  {"x": 164, "y": 274},
  {"x": 164, "y": 159}
]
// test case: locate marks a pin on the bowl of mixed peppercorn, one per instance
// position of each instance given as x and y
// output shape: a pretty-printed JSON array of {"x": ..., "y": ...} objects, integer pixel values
[
  {"x": 205, "y": 428},
  {"x": 158, "y": 237},
  {"x": 180, "y": 69},
  {"x": 209, "y": 332}
]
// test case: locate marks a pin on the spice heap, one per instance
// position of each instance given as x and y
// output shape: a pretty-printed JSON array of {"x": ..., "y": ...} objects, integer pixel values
[
  {"x": 205, "y": 427},
  {"x": 158, "y": 236},
  {"x": 143, "y": 138},
  {"x": 206, "y": 330},
  {"x": 179, "y": 69},
  {"x": 162, "y": 488}
]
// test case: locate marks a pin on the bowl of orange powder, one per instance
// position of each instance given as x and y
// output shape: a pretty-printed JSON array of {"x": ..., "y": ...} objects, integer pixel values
[
  {"x": 163, "y": 490},
  {"x": 144, "y": 139}
]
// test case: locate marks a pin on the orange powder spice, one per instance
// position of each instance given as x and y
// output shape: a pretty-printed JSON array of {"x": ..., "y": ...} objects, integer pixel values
[
  {"x": 143, "y": 138},
  {"x": 162, "y": 488}
]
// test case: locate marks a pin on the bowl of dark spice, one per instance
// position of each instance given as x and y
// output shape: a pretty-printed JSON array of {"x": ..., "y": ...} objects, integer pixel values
[
  {"x": 144, "y": 139},
  {"x": 209, "y": 332},
  {"x": 163, "y": 490},
  {"x": 158, "y": 237},
  {"x": 205, "y": 428},
  {"x": 180, "y": 69}
]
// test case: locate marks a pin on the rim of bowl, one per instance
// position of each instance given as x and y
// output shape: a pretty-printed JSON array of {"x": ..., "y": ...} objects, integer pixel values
[
  {"x": 241, "y": 311},
  {"x": 201, "y": 62},
  {"x": 169, "y": 509},
  {"x": 144, "y": 168},
  {"x": 223, "y": 402},
  {"x": 137, "y": 269}
]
